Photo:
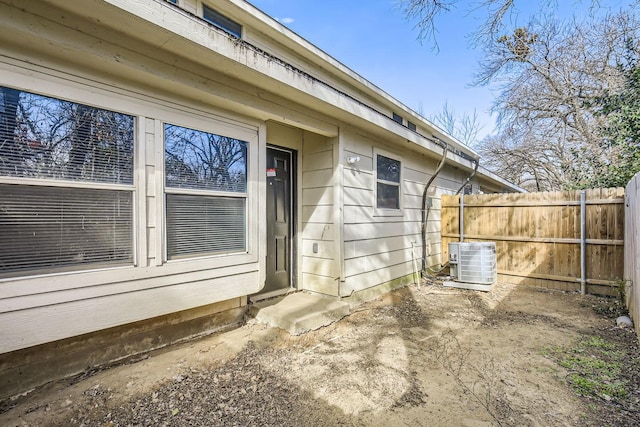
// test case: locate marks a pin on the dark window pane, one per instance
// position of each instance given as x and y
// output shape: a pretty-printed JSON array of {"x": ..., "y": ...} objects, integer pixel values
[
  {"x": 205, "y": 161},
  {"x": 49, "y": 229},
  {"x": 201, "y": 225},
  {"x": 397, "y": 118},
  {"x": 388, "y": 169},
  {"x": 388, "y": 196},
  {"x": 222, "y": 22},
  {"x": 48, "y": 138}
]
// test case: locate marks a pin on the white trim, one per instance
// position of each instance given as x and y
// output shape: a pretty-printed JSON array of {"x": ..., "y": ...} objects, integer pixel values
[
  {"x": 211, "y": 127},
  {"x": 159, "y": 199},
  {"x": 49, "y": 182},
  {"x": 258, "y": 206},
  {"x": 139, "y": 194},
  {"x": 338, "y": 209},
  {"x": 211, "y": 193}
]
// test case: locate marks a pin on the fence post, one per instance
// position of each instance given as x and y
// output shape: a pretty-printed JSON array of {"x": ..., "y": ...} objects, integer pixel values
[
  {"x": 583, "y": 242},
  {"x": 461, "y": 217}
]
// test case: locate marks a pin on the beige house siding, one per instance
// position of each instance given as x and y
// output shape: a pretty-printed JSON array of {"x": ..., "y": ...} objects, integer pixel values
[
  {"x": 381, "y": 247},
  {"x": 319, "y": 258},
  {"x": 160, "y": 65},
  {"x": 68, "y": 304}
]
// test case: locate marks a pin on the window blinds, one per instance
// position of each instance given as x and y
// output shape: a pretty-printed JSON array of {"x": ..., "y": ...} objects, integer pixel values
[
  {"x": 48, "y": 138},
  {"x": 54, "y": 228},
  {"x": 45, "y": 228},
  {"x": 202, "y": 225},
  {"x": 199, "y": 224}
]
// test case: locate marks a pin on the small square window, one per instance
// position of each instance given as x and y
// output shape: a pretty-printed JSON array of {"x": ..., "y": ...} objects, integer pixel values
[
  {"x": 222, "y": 22},
  {"x": 411, "y": 126},
  {"x": 397, "y": 118},
  {"x": 387, "y": 182},
  {"x": 280, "y": 164}
]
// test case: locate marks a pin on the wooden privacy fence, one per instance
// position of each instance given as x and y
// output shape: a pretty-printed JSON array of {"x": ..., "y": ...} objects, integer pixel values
[
  {"x": 632, "y": 249},
  {"x": 538, "y": 236}
]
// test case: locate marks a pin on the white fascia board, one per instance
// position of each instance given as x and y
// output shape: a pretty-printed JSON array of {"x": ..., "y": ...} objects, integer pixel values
[
  {"x": 267, "y": 25},
  {"x": 174, "y": 30}
]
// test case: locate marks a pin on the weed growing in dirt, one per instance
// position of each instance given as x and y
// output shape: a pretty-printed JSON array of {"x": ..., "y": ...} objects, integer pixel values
[
  {"x": 595, "y": 368},
  {"x": 610, "y": 307}
]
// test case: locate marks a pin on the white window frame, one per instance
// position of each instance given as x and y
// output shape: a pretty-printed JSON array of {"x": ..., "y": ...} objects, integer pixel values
[
  {"x": 87, "y": 185},
  {"x": 386, "y": 211},
  {"x": 237, "y": 131}
]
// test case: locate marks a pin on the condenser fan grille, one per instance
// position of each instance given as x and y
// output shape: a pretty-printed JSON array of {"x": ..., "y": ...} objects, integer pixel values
[{"x": 473, "y": 262}]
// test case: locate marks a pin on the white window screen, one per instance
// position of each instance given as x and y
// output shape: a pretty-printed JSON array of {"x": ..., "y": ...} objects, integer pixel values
[
  {"x": 206, "y": 186},
  {"x": 54, "y": 228}
]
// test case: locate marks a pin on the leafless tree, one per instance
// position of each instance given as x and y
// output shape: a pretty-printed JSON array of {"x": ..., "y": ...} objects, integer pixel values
[
  {"x": 529, "y": 165},
  {"x": 551, "y": 76},
  {"x": 425, "y": 14},
  {"x": 48, "y": 138},
  {"x": 464, "y": 127},
  {"x": 8, "y": 124}
]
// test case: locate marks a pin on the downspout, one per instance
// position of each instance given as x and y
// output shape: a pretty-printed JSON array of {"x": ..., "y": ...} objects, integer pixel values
[
  {"x": 475, "y": 169},
  {"x": 426, "y": 210},
  {"x": 461, "y": 226}
]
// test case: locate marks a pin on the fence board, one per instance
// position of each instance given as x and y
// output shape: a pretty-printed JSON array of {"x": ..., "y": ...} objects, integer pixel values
[
  {"x": 538, "y": 237},
  {"x": 632, "y": 249}
]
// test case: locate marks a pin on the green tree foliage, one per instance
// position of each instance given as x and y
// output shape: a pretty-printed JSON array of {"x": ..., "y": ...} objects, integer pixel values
[{"x": 622, "y": 133}]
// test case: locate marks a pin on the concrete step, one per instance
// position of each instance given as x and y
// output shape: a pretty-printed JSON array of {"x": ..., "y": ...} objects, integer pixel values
[{"x": 300, "y": 312}]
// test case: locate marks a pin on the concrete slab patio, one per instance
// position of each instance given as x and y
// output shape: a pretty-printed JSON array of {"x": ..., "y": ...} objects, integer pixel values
[{"x": 299, "y": 312}]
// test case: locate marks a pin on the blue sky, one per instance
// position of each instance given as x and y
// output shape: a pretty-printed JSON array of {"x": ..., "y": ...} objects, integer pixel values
[{"x": 373, "y": 38}]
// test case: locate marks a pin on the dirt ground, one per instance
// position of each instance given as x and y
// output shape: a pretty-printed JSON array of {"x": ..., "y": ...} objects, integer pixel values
[{"x": 423, "y": 355}]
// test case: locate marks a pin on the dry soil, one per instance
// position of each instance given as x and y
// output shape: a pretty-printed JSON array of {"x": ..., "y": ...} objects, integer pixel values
[{"x": 424, "y": 355}]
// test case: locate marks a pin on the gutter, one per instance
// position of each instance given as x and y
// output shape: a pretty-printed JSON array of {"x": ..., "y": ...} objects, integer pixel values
[
  {"x": 176, "y": 31},
  {"x": 359, "y": 83}
]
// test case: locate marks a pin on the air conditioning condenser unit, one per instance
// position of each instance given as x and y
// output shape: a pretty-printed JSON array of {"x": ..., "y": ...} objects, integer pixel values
[{"x": 473, "y": 265}]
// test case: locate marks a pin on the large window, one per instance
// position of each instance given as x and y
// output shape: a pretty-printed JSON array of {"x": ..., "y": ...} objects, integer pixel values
[
  {"x": 387, "y": 182},
  {"x": 206, "y": 193},
  {"x": 66, "y": 185}
]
